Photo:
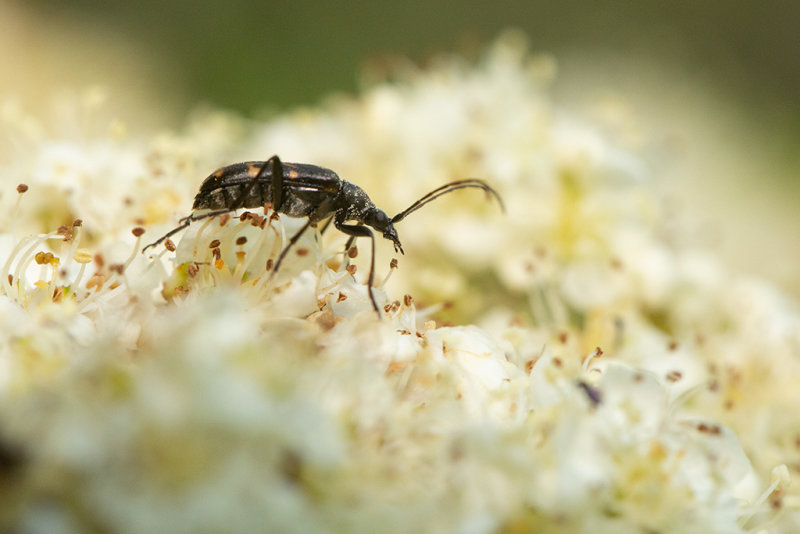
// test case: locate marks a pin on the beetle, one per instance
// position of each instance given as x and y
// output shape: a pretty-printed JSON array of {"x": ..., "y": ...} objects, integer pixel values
[{"x": 305, "y": 190}]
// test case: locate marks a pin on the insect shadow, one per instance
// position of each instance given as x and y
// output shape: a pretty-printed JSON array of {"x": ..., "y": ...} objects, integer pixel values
[{"x": 304, "y": 190}]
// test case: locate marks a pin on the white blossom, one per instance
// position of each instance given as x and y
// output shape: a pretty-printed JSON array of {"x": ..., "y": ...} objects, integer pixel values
[{"x": 620, "y": 381}]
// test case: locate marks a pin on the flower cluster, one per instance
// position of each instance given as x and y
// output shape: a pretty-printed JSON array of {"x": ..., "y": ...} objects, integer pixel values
[{"x": 619, "y": 379}]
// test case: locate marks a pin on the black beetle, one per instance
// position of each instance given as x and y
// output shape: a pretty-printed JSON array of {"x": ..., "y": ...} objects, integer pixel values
[{"x": 304, "y": 190}]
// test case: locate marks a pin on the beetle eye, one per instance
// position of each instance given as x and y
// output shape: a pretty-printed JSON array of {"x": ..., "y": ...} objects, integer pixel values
[{"x": 379, "y": 220}]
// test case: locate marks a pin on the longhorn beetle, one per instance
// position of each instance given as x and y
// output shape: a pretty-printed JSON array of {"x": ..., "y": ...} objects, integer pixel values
[{"x": 303, "y": 190}]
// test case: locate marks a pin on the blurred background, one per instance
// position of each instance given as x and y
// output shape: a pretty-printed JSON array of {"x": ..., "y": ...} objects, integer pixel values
[{"x": 717, "y": 82}]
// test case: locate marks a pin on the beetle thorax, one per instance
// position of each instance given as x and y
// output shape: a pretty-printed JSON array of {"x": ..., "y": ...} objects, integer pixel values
[{"x": 355, "y": 202}]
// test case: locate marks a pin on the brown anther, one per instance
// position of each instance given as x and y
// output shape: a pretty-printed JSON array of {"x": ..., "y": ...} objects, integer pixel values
[
  {"x": 557, "y": 362},
  {"x": 395, "y": 305},
  {"x": 137, "y": 231},
  {"x": 224, "y": 219},
  {"x": 301, "y": 252},
  {"x": 267, "y": 207},
  {"x": 10, "y": 279},
  {"x": 58, "y": 293},
  {"x": 262, "y": 222},
  {"x": 706, "y": 428},
  {"x": 563, "y": 337},
  {"x": 598, "y": 351},
  {"x": 673, "y": 345},
  {"x": 393, "y": 263},
  {"x": 96, "y": 281},
  {"x": 216, "y": 253},
  {"x": 274, "y": 216},
  {"x": 116, "y": 268},
  {"x": 138, "y": 221},
  {"x": 270, "y": 263},
  {"x": 351, "y": 269},
  {"x": 241, "y": 240},
  {"x": 674, "y": 376},
  {"x": 529, "y": 366},
  {"x": 214, "y": 244},
  {"x": 99, "y": 260},
  {"x": 113, "y": 285},
  {"x": 341, "y": 297},
  {"x": 192, "y": 269},
  {"x": 169, "y": 245},
  {"x": 387, "y": 308},
  {"x": 77, "y": 222},
  {"x": 408, "y": 300},
  {"x": 66, "y": 231},
  {"x": 245, "y": 216},
  {"x": 41, "y": 257},
  {"x": 352, "y": 252},
  {"x": 21, "y": 188},
  {"x": 256, "y": 221}
]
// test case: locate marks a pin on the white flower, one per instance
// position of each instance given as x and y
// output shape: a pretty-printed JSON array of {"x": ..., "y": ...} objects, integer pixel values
[{"x": 194, "y": 388}]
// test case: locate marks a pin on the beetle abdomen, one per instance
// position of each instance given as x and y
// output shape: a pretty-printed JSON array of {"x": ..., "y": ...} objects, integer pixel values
[{"x": 235, "y": 187}]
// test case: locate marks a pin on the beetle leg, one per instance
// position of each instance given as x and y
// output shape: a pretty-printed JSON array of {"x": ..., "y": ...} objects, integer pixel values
[
  {"x": 193, "y": 217},
  {"x": 277, "y": 181},
  {"x": 289, "y": 245},
  {"x": 349, "y": 241},
  {"x": 322, "y": 208},
  {"x": 354, "y": 231},
  {"x": 347, "y": 248},
  {"x": 326, "y": 225},
  {"x": 183, "y": 223}
]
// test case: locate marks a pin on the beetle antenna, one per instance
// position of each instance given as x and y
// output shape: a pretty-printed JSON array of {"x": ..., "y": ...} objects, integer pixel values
[{"x": 445, "y": 189}]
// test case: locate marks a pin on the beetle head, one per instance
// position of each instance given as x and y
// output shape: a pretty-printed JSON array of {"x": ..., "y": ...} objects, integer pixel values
[{"x": 381, "y": 222}]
